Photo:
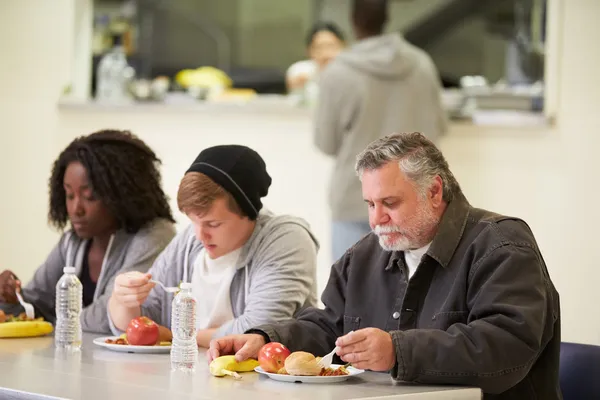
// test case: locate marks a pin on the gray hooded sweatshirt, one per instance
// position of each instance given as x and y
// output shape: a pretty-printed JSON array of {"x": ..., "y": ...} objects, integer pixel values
[
  {"x": 126, "y": 252},
  {"x": 275, "y": 277},
  {"x": 379, "y": 86}
]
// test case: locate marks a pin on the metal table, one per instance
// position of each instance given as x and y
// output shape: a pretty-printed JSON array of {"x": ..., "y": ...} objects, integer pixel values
[{"x": 31, "y": 369}]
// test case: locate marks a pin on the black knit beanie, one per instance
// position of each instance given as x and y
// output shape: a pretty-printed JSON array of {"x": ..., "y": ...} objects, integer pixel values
[{"x": 240, "y": 171}]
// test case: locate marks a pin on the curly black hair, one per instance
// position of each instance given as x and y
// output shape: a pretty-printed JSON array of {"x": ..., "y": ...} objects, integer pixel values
[{"x": 123, "y": 173}]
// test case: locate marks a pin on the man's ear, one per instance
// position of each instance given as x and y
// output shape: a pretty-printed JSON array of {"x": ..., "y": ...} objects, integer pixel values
[{"x": 436, "y": 192}]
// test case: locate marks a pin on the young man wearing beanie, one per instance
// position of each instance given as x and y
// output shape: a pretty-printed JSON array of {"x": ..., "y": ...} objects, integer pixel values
[{"x": 247, "y": 266}]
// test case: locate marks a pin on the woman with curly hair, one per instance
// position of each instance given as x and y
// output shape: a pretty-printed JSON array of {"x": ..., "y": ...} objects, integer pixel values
[{"x": 107, "y": 188}]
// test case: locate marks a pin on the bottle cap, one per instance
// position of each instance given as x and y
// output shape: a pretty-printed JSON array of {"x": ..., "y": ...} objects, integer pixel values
[
  {"x": 185, "y": 285},
  {"x": 69, "y": 270}
]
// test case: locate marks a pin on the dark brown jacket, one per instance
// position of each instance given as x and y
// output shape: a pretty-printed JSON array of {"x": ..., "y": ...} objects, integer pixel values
[{"x": 480, "y": 310}]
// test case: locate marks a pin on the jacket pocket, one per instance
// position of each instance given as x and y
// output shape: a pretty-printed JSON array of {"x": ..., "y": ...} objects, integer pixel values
[
  {"x": 443, "y": 320},
  {"x": 351, "y": 323}
]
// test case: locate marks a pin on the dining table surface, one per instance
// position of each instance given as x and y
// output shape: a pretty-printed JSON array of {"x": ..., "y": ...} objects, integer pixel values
[{"x": 31, "y": 368}]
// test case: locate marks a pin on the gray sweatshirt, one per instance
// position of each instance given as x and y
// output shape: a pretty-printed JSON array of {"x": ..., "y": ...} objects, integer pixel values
[
  {"x": 126, "y": 252},
  {"x": 379, "y": 86},
  {"x": 275, "y": 277}
]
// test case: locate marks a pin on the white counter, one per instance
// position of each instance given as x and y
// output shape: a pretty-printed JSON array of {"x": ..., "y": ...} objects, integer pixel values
[{"x": 30, "y": 369}]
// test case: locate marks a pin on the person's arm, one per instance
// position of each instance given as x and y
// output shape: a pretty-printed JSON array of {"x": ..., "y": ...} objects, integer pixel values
[
  {"x": 41, "y": 290},
  {"x": 298, "y": 74},
  {"x": 204, "y": 336},
  {"x": 510, "y": 322},
  {"x": 151, "y": 303},
  {"x": 314, "y": 330},
  {"x": 337, "y": 107},
  {"x": 141, "y": 254},
  {"x": 283, "y": 277}
]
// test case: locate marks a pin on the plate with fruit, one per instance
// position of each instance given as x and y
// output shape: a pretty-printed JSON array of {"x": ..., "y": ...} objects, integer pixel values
[
  {"x": 20, "y": 326},
  {"x": 279, "y": 364},
  {"x": 142, "y": 336}
]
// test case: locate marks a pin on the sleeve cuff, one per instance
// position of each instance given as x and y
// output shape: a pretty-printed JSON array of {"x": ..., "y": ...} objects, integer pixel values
[
  {"x": 400, "y": 371},
  {"x": 112, "y": 326},
  {"x": 267, "y": 332}
]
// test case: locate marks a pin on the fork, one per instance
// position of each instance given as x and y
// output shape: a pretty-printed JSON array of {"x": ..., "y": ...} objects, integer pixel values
[
  {"x": 28, "y": 307},
  {"x": 325, "y": 362},
  {"x": 167, "y": 288}
]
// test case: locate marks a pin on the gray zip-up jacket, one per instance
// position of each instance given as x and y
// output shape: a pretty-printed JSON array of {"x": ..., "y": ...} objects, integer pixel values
[
  {"x": 379, "y": 86},
  {"x": 126, "y": 252},
  {"x": 276, "y": 274}
]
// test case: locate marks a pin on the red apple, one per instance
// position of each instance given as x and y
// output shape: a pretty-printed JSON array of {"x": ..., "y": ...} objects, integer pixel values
[
  {"x": 142, "y": 331},
  {"x": 271, "y": 356}
]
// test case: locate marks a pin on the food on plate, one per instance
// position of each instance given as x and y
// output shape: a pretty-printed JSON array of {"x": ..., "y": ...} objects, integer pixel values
[
  {"x": 19, "y": 318},
  {"x": 142, "y": 331},
  {"x": 334, "y": 372},
  {"x": 301, "y": 363},
  {"x": 25, "y": 328},
  {"x": 120, "y": 340},
  {"x": 12, "y": 326},
  {"x": 227, "y": 365},
  {"x": 272, "y": 356},
  {"x": 123, "y": 341},
  {"x": 164, "y": 335}
]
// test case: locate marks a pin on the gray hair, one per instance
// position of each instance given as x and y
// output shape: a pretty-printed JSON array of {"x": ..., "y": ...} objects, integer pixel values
[{"x": 417, "y": 157}]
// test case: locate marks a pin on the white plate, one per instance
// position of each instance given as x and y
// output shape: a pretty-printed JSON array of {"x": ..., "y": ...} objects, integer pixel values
[
  {"x": 312, "y": 379},
  {"x": 126, "y": 348}
]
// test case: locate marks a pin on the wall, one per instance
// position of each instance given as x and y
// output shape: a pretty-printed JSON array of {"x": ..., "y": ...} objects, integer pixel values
[
  {"x": 35, "y": 43},
  {"x": 260, "y": 31},
  {"x": 545, "y": 176}
]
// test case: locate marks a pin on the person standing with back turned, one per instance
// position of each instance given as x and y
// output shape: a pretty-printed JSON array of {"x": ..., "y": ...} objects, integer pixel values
[{"x": 379, "y": 85}]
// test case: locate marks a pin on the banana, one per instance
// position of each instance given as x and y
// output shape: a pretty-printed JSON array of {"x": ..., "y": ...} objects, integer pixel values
[
  {"x": 25, "y": 329},
  {"x": 226, "y": 365}
]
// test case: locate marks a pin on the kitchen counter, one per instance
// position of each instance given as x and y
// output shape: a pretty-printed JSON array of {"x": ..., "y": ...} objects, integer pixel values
[
  {"x": 179, "y": 102},
  {"x": 32, "y": 369}
]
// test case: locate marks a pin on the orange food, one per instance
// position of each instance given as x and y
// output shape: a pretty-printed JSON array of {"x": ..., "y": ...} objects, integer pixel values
[
  {"x": 116, "y": 341},
  {"x": 333, "y": 372}
]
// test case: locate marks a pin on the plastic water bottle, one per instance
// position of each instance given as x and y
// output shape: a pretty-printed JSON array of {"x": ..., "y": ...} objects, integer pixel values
[
  {"x": 184, "y": 349},
  {"x": 69, "y": 298},
  {"x": 114, "y": 75}
]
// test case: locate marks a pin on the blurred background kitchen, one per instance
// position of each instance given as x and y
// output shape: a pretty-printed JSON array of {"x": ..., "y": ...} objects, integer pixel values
[{"x": 520, "y": 85}]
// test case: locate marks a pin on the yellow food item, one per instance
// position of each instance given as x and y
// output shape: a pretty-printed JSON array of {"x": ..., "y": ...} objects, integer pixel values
[
  {"x": 301, "y": 363},
  {"x": 282, "y": 371},
  {"x": 227, "y": 365},
  {"x": 25, "y": 329},
  {"x": 203, "y": 77}
]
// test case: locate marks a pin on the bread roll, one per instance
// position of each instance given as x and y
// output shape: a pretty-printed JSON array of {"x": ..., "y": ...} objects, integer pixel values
[{"x": 302, "y": 363}]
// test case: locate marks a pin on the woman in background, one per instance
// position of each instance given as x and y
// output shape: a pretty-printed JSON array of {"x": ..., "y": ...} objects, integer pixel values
[
  {"x": 324, "y": 41},
  {"x": 107, "y": 187}
]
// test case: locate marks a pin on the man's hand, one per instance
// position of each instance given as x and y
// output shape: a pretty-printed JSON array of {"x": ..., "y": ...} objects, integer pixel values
[
  {"x": 132, "y": 289},
  {"x": 368, "y": 348},
  {"x": 243, "y": 346},
  {"x": 9, "y": 284}
]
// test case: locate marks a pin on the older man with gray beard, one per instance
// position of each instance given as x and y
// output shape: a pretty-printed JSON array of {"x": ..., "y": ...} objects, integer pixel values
[{"x": 440, "y": 292}]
